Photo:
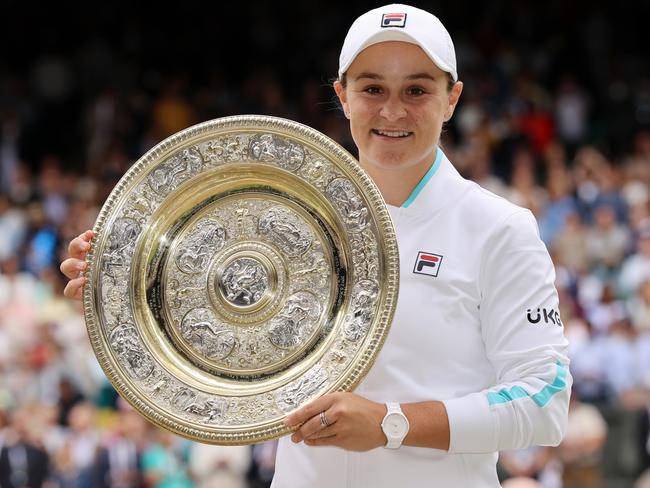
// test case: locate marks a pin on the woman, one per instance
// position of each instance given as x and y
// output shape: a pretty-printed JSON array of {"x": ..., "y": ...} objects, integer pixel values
[{"x": 475, "y": 361}]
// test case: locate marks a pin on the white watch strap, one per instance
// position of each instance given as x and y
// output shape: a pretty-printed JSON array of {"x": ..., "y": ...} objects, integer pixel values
[{"x": 394, "y": 407}]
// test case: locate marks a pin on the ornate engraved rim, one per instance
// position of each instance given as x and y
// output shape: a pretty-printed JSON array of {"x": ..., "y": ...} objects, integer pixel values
[{"x": 245, "y": 123}]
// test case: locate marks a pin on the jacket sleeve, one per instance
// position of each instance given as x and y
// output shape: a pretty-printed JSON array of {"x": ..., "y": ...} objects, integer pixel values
[{"x": 525, "y": 343}]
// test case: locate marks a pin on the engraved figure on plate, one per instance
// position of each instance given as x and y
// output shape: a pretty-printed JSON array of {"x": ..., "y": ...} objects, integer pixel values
[
  {"x": 296, "y": 320},
  {"x": 244, "y": 281},
  {"x": 123, "y": 235},
  {"x": 286, "y": 230},
  {"x": 126, "y": 343},
  {"x": 177, "y": 169},
  {"x": 226, "y": 149},
  {"x": 201, "y": 246},
  {"x": 364, "y": 298},
  {"x": 266, "y": 147},
  {"x": 210, "y": 410},
  {"x": 206, "y": 335},
  {"x": 294, "y": 394},
  {"x": 345, "y": 197}
]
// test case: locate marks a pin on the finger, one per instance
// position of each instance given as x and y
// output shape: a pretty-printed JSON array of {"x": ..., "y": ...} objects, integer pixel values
[
  {"x": 87, "y": 235},
  {"x": 80, "y": 245},
  {"x": 328, "y": 431},
  {"x": 308, "y": 429},
  {"x": 315, "y": 426},
  {"x": 74, "y": 288},
  {"x": 312, "y": 409},
  {"x": 71, "y": 267},
  {"x": 323, "y": 441}
]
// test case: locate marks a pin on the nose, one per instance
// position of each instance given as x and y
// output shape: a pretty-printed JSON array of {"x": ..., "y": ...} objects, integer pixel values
[{"x": 392, "y": 109}]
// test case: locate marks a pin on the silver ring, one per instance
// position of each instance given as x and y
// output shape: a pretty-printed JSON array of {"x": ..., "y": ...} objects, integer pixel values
[{"x": 323, "y": 420}]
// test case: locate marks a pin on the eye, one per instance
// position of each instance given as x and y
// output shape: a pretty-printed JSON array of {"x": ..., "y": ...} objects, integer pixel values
[
  {"x": 372, "y": 90},
  {"x": 415, "y": 91}
]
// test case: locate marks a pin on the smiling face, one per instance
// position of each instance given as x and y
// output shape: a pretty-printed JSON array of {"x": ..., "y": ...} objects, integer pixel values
[{"x": 397, "y": 100}]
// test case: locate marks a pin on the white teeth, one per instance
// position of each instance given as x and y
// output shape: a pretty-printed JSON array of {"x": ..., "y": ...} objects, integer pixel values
[{"x": 393, "y": 133}]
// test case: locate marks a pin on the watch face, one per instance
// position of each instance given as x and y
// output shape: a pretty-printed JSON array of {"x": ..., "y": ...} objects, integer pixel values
[{"x": 395, "y": 426}]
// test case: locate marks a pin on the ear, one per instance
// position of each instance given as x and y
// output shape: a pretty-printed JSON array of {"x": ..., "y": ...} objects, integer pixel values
[
  {"x": 454, "y": 96},
  {"x": 343, "y": 97}
]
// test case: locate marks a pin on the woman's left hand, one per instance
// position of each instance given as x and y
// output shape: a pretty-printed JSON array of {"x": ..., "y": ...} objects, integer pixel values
[{"x": 348, "y": 421}]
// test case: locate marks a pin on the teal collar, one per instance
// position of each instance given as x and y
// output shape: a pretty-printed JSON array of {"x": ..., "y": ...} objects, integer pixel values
[{"x": 425, "y": 179}]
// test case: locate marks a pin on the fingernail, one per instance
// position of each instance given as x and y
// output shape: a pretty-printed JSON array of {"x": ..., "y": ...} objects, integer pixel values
[
  {"x": 295, "y": 438},
  {"x": 81, "y": 266}
]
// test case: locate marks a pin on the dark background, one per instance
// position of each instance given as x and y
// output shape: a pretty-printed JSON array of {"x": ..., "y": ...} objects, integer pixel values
[{"x": 234, "y": 50}]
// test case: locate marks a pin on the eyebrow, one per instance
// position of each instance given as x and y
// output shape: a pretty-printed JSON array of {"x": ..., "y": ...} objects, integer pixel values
[
  {"x": 375, "y": 76},
  {"x": 420, "y": 76}
]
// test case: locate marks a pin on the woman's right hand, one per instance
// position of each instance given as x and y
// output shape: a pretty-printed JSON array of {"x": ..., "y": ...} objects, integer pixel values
[{"x": 75, "y": 265}]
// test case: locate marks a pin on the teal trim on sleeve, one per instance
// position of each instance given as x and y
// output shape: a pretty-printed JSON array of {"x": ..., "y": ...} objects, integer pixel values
[
  {"x": 505, "y": 396},
  {"x": 425, "y": 179},
  {"x": 541, "y": 398},
  {"x": 559, "y": 384}
]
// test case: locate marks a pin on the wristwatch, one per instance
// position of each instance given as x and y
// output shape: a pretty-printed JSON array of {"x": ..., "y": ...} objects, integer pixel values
[{"x": 395, "y": 425}]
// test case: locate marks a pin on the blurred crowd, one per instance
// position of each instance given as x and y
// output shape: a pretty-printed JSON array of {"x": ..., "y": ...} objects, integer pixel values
[{"x": 571, "y": 145}]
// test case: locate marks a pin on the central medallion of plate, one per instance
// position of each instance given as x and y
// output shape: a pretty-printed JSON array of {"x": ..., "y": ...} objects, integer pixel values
[
  {"x": 248, "y": 281},
  {"x": 244, "y": 282}
]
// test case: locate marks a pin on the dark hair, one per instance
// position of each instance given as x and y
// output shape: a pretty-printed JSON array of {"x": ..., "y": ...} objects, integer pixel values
[{"x": 344, "y": 81}]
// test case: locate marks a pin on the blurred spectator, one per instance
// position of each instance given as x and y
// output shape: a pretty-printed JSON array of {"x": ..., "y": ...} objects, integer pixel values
[
  {"x": 52, "y": 434},
  {"x": 537, "y": 124},
  {"x": 41, "y": 242},
  {"x": 636, "y": 268},
  {"x": 51, "y": 189},
  {"x": 223, "y": 466},
  {"x": 21, "y": 190},
  {"x": 538, "y": 462},
  {"x": 23, "y": 461},
  {"x": 264, "y": 462},
  {"x": 643, "y": 481},
  {"x": 607, "y": 242},
  {"x": 588, "y": 363},
  {"x": 164, "y": 461},
  {"x": 172, "y": 112},
  {"x": 100, "y": 126},
  {"x": 571, "y": 113},
  {"x": 570, "y": 244},
  {"x": 597, "y": 183},
  {"x": 521, "y": 482},
  {"x": 475, "y": 162},
  {"x": 583, "y": 444},
  {"x": 639, "y": 308},
  {"x": 620, "y": 364},
  {"x": 118, "y": 461},
  {"x": 643, "y": 439},
  {"x": 559, "y": 206},
  {"x": 606, "y": 311},
  {"x": 524, "y": 190},
  {"x": 69, "y": 396},
  {"x": 74, "y": 461},
  {"x": 13, "y": 226},
  {"x": 9, "y": 136}
]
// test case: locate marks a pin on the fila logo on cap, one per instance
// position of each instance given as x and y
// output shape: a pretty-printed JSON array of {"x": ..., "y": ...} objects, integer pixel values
[
  {"x": 427, "y": 263},
  {"x": 393, "y": 20}
]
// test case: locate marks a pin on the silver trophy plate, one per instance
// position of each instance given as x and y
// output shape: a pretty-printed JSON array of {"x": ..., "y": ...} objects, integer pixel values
[{"x": 240, "y": 269}]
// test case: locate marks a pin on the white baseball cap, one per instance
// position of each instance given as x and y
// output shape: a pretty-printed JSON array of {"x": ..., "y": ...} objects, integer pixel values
[{"x": 397, "y": 22}]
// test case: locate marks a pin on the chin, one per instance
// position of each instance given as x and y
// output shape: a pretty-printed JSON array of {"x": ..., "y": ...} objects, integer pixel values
[{"x": 391, "y": 162}]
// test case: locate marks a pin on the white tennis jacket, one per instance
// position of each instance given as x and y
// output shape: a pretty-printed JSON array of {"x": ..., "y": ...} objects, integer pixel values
[{"x": 477, "y": 326}]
